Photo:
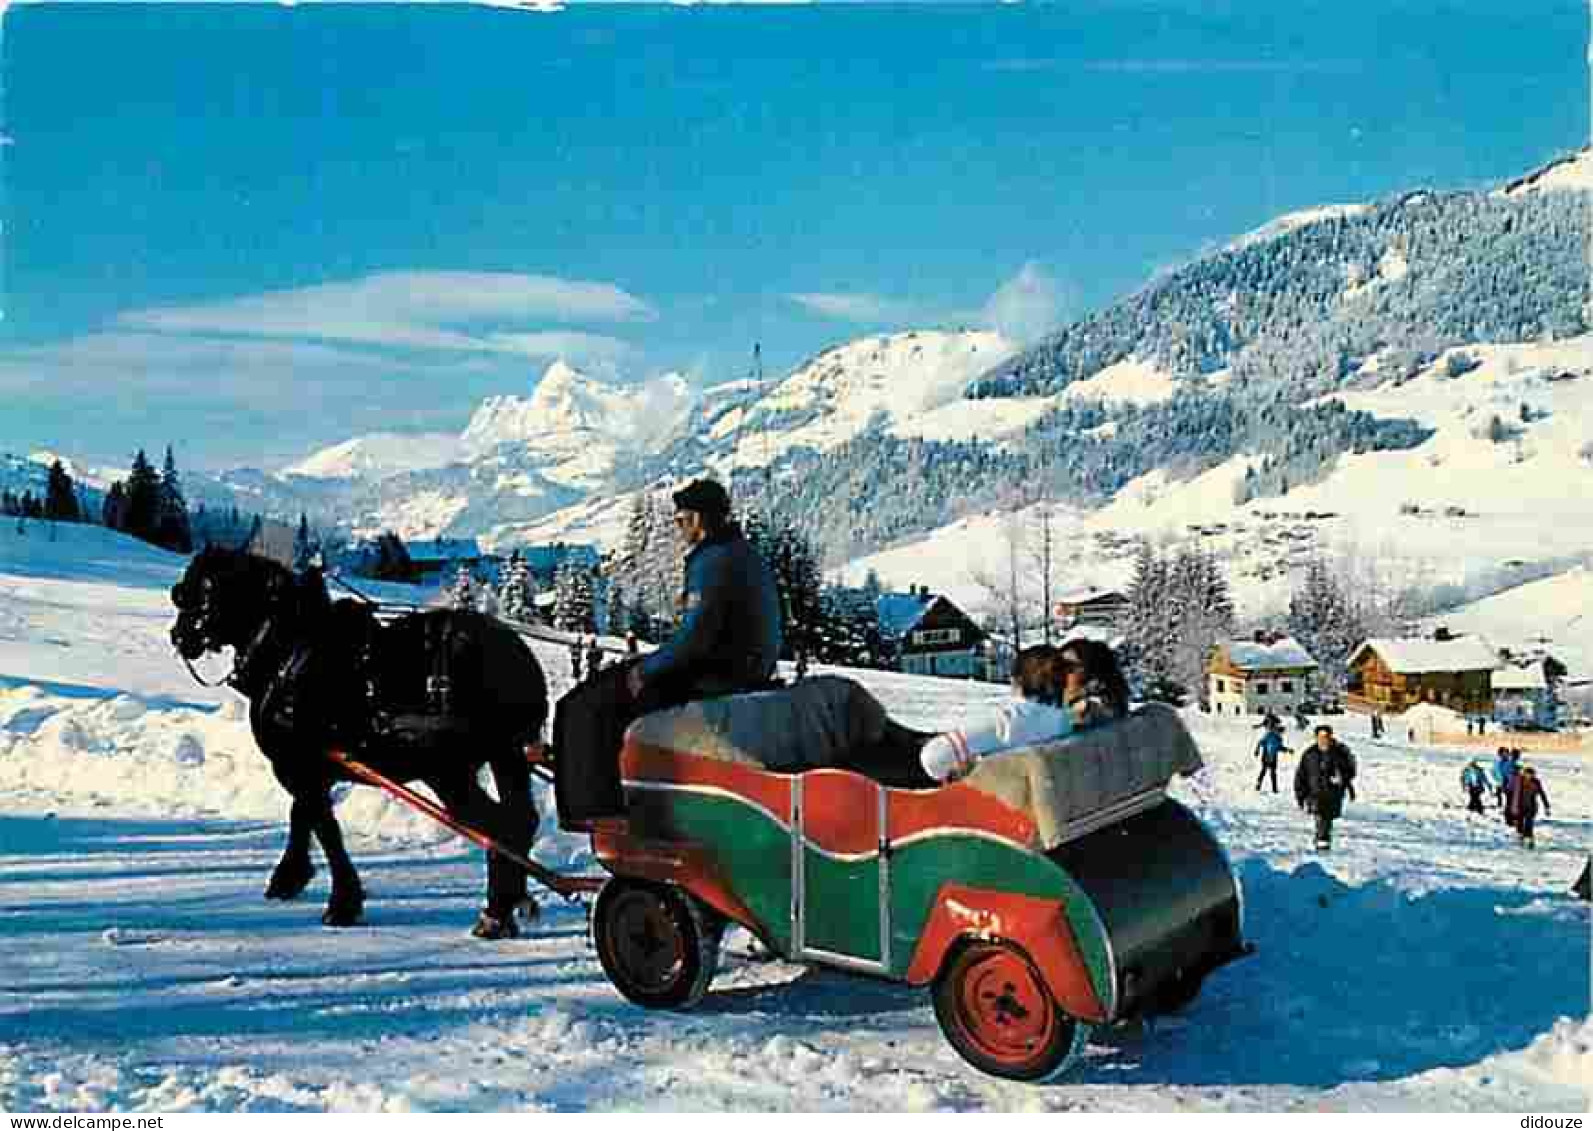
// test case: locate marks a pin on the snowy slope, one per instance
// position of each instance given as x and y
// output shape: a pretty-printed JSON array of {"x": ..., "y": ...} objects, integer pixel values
[
  {"x": 137, "y": 829},
  {"x": 379, "y": 454},
  {"x": 892, "y": 380}
]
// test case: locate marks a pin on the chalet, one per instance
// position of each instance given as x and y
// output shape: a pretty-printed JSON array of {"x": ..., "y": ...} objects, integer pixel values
[
  {"x": 1102, "y": 607},
  {"x": 1525, "y": 695},
  {"x": 932, "y": 636},
  {"x": 1252, "y": 677},
  {"x": 1389, "y": 676},
  {"x": 440, "y": 559}
]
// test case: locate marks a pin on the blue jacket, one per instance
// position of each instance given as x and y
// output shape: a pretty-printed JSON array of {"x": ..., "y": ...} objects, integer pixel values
[
  {"x": 1503, "y": 770},
  {"x": 1474, "y": 777},
  {"x": 1268, "y": 747},
  {"x": 729, "y": 638}
]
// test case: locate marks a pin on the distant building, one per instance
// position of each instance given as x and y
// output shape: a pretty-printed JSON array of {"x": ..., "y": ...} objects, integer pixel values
[
  {"x": 1091, "y": 606},
  {"x": 1390, "y": 676},
  {"x": 931, "y": 635},
  {"x": 439, "y": 559},
  {"x": 1252, "y": 677},
  {"x": 1527, "y": 695}
]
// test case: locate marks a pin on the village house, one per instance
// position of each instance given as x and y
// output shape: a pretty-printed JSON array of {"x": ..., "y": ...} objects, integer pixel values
[
  {"x": 932, "y": 636},
  {"x": 1091, "y": 606},
  {"x": 438, "y": 560},
  {"x": 1389, "y": 676},
  {"x": 1252, "y": 677},
  {"x": 1526, "y": 695}
]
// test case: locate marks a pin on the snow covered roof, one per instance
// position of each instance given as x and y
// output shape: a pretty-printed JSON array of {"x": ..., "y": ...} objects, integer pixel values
[
  {"x": 1414, "y": 656},
  {"x": 1527, "y": 678},
  {"x": 1285, "y": 652},
  {"x": 898, "y": 612},
  {"x": 443, "y": 550},
  {"x": 1090, "y": 593}
]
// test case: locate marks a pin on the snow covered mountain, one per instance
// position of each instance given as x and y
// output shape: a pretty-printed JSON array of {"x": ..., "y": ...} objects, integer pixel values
[{"x": 378, "y": 454}]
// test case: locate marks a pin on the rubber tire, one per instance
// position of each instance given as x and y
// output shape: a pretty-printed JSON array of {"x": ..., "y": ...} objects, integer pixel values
[
  {"x": 969, "y": 1011},
  {"x": 626, "y": 908}
]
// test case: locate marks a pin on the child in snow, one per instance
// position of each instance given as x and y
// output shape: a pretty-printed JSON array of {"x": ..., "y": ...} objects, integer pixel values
[
  {"x": 1474, "y": 780},
  {"x": 1052, "y": 696},
  {"x": 1267, "y": 750},
  {"x": 1522, "y": 809}
]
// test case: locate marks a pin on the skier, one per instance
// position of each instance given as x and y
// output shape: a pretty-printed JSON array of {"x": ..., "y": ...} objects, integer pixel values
[
  {"x": 594, "y": 657},
  {"x": 1474, "y": 780},
  {"x": 575, "y": 660},
  {"x": 1325, "y": 775},
  {"x": 1522, "y": 809},
  {"x": 632, "y": 648},
  {"x": 1377, "y": 725},
  {"x": 1267, "y": 750}
]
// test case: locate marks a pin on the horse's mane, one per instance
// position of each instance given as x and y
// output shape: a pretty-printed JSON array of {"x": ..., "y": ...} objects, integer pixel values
[{"x": 306, "y": 588}]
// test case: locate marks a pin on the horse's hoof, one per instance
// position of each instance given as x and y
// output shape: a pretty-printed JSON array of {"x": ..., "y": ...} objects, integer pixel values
[
  {"x": 344, "y": 912},
  {"x": 288, "y": 885},
  {"x": 490, "y": 926}
]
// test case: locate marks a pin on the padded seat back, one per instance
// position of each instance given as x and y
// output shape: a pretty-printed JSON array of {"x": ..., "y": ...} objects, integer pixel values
[{"x": 1094, "y": 777}]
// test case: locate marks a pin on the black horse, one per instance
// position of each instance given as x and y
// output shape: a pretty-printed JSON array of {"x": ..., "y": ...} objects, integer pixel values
[{"x": 431, "y": 697}]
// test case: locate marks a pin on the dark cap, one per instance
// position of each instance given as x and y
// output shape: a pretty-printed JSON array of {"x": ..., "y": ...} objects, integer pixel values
[
  {"x": 705, "y": 496},
  {"x": 1323, "y": 728}
]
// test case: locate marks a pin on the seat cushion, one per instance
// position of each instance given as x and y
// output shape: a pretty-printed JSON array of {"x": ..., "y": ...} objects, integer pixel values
[
  {"x": 809, "y": 725},
  {"x": 1093, "y": 776}
]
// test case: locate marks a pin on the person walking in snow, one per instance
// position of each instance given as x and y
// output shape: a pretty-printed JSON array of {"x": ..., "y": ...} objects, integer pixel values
[
  {"x": 594, "y": 657},
  {"x": 575, "y": 660},
  {"x": 1474, "y": 780},
  {"x": 1503, "y": 770},
  {"x": 1323, "y": 778},
  {"x": 1377, "y": 725},
  {"x": 1267, "y": 750},
  {"x": 1522, "y": 808}
]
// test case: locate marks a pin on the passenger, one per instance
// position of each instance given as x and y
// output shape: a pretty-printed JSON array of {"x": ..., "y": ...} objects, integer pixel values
[{"x": 1056, "y": 691}]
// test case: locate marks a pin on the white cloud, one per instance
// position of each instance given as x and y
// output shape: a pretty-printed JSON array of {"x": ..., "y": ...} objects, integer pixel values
[
  {"x": 854, "y": 307},
  {"x": 1027, "y": 306},
  {"x": 584, "y": 351},
  {"x": 408, "y": 309}
]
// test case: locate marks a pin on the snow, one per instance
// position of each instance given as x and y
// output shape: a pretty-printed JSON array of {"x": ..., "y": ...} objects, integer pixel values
[
  {"x": 1573, "y": 173},
  {"x": 910, "y": 382},
  {"x": 1292, "y": 221},
  {"x": 1414, "y": 656},
  {"x": 1130, "y": 381},
  {"x": 379, "y": 454},
  {"x": 141, "y": 970}
]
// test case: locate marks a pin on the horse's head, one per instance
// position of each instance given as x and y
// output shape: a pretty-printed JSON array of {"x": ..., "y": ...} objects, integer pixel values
[{"x": 222, "y": 598}]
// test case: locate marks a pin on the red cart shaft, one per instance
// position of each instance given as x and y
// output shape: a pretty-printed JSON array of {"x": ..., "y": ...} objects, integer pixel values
[{"x": 567, "y": 886}]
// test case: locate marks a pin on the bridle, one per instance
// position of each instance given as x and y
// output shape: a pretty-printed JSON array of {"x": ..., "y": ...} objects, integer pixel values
[{"x": 204, "y": 615}]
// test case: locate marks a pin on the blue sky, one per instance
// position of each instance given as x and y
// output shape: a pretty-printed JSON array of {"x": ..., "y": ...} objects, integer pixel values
[{"x": 255, "y": 230}]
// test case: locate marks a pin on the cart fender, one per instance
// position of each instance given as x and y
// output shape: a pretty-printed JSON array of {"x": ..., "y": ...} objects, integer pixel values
[{"x": 1039, "y": 926}]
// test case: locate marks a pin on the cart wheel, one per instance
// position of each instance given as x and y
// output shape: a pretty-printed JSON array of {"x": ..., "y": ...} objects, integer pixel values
[
  {"x": 657, "y": 944},
  {"x": 996, "y": 1011},
  {"x": 1177, "y": 993}
]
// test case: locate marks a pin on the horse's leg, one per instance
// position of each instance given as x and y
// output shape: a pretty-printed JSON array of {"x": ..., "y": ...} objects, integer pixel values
[
  {"x": 292, "y": 873},
  {"x": 347, "y": 901},
  {"x": 517, "y": 827},
  {"x": 466, "y": 800}
]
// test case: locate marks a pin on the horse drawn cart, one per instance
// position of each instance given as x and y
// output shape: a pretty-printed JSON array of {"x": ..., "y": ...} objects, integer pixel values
[{"x": 1053, "y": 888}]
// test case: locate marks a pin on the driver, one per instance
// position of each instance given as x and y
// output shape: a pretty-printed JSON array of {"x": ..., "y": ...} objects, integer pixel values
[{"x": 728, "y": 641}]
